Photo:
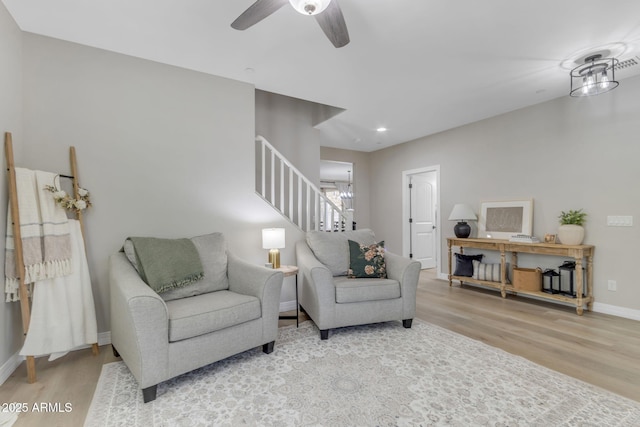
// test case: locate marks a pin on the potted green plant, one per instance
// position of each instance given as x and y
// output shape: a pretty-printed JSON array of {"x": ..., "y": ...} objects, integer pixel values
[{"x": 571, "y": 231}]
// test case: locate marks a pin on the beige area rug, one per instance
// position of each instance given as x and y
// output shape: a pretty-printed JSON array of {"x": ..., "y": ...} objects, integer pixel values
[{"x": 375, "y": 375}]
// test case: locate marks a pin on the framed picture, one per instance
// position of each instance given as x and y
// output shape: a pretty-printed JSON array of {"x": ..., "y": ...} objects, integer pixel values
[{"x": 501, "y": 220}]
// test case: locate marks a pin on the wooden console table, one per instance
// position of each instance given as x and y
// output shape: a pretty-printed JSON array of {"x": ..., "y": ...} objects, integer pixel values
[{"x": 577, "y": 252}]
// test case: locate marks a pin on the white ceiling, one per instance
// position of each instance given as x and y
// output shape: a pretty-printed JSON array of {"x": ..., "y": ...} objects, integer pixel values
[{"x": 416, "y": 67}]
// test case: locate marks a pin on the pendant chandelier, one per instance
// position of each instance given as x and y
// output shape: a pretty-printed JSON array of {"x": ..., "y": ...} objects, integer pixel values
[
  {"x": 595, "y": 76},
  {"x": 347, "y": 193}
]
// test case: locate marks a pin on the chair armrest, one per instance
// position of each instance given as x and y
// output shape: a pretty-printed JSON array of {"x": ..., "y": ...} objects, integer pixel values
[
  {"x": 407, "y": 273},
  {"x": 139, "y": 323},
  {"x": 250, "y": 279},
  {"x": 318, "y": 289},
  {"x": 260, "y": 282}
]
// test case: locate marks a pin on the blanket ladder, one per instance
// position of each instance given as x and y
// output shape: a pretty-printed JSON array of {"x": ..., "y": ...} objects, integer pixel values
[{"x": 13, "y": 202}]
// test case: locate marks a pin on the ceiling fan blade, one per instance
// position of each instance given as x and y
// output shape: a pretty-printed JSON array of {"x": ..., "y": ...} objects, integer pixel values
[
  {"x": 257, "y": 12},
  {"x": 332, "y": 23}
]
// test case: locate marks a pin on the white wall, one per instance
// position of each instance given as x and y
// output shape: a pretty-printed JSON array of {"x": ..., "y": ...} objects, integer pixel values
[
  {"x": 565, "y": 154},
  {"x": 164, "y": 151},
  {"x": 10, "y": 121}
]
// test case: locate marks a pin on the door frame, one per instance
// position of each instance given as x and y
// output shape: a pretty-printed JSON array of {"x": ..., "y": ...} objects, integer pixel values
[{"x": 406, "y": 230}]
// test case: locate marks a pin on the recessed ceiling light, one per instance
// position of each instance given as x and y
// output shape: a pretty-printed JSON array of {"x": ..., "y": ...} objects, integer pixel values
[{"x": 381, "y": 129}]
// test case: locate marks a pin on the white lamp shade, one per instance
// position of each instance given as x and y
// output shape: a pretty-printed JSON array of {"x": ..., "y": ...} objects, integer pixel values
[
  {"x": 462, "y": 212},
  {"x": 272, "y": 238},
  {"x": 310, "y": 7}
]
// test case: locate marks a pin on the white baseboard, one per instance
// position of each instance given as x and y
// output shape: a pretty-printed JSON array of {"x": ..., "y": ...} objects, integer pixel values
[
  {"x": 9, "y": 367},
  {"x": 14, "y": 361},
  {"x": 287, "y": 305},
  {"x": 104, "y": 338},
  {"x": 614, "y": 310}
]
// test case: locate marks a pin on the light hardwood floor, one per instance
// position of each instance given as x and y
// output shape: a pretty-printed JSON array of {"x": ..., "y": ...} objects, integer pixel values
[{"x": 596, "y": 348}]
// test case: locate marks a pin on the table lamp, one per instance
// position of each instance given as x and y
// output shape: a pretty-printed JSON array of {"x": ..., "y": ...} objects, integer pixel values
[
  {"x": 273, "y": 239},
  {"x": 462, "y": 213}
]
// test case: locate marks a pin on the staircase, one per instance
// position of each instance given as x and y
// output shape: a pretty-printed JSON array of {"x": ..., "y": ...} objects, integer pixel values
[{"x": 281, "y": 185}]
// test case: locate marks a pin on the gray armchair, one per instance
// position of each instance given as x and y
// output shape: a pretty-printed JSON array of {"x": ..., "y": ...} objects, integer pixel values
[
  {"x": 333, "y": 300},
  {"x": 234, "y": 308}
]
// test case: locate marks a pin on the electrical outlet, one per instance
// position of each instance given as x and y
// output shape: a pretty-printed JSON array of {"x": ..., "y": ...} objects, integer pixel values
[
  {"x": 620, "y": 221},
  {"x": 612, "y": 285}
]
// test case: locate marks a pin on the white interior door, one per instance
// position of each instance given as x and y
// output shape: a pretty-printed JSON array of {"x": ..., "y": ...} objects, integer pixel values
[{"x": 423, "y": 220}]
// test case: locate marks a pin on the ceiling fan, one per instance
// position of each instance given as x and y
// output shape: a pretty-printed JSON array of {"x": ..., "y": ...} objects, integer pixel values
[{"x": 327, "y": 13}]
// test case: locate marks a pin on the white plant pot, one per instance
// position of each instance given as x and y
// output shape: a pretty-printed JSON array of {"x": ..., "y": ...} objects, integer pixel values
[{"x": 571, "y": 234}]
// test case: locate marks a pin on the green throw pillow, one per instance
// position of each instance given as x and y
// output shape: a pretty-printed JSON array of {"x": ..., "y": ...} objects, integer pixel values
[{"x": 366, "y": 261}]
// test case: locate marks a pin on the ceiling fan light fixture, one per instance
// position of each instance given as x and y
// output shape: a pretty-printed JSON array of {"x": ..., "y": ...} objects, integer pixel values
[
  {"x": 310, "y": 7},
  {"x": 592, "y": 77},
  {"x": 327, "y": 14}
]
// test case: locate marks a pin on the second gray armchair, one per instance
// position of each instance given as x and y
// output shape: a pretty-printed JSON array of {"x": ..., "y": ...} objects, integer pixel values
[{"x": 334, "y": 300}]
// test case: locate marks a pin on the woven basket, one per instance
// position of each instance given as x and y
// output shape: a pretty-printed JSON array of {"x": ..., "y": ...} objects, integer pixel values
[{"x": 527, "y": 279}]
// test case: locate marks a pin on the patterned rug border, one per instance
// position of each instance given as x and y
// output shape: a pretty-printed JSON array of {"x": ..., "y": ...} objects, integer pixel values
[{"x": 431, "y": 389}]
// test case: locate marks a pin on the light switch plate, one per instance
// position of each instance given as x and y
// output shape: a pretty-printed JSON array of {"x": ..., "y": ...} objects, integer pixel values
[{"x": 620, "y": 221}]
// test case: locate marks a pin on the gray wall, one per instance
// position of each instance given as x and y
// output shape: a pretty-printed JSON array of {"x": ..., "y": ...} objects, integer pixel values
[
  {"x": 10, "y": 121},
  {"x": 164, "y": 151},
  {"x": 565, "y": 154},
  {"x": 287, "y": 123}
]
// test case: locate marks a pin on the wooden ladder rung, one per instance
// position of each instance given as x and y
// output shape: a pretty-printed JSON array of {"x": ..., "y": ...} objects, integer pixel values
[{"x": 15, "y": 213}]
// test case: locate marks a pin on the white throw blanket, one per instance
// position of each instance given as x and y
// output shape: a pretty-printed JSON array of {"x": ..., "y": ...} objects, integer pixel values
[
  {"x": 63, "y": 315},
  {"x": 44, "y": 229}
]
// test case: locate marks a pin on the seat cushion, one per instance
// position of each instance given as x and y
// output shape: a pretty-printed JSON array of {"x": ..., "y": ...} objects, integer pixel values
[
  {"x": 360, "y": 290},
  {"x": 210, "y": 312},
  {"x": 332, "y": 249}
]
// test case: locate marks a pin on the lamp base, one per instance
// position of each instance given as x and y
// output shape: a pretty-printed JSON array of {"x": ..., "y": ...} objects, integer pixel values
[
  {"x": 274, "y": 258},
  {"x": 462, "y": 230}
]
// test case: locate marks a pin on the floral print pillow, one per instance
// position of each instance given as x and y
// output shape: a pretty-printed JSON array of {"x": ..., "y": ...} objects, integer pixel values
[{"x": 366, "y": 261}]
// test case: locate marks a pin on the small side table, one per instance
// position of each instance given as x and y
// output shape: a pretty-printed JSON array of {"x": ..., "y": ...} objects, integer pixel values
[{"x": 291, "y": 270}]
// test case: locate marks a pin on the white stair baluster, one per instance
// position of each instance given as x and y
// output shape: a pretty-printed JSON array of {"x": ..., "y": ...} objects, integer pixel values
[{"x": 309, "y": 211}]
